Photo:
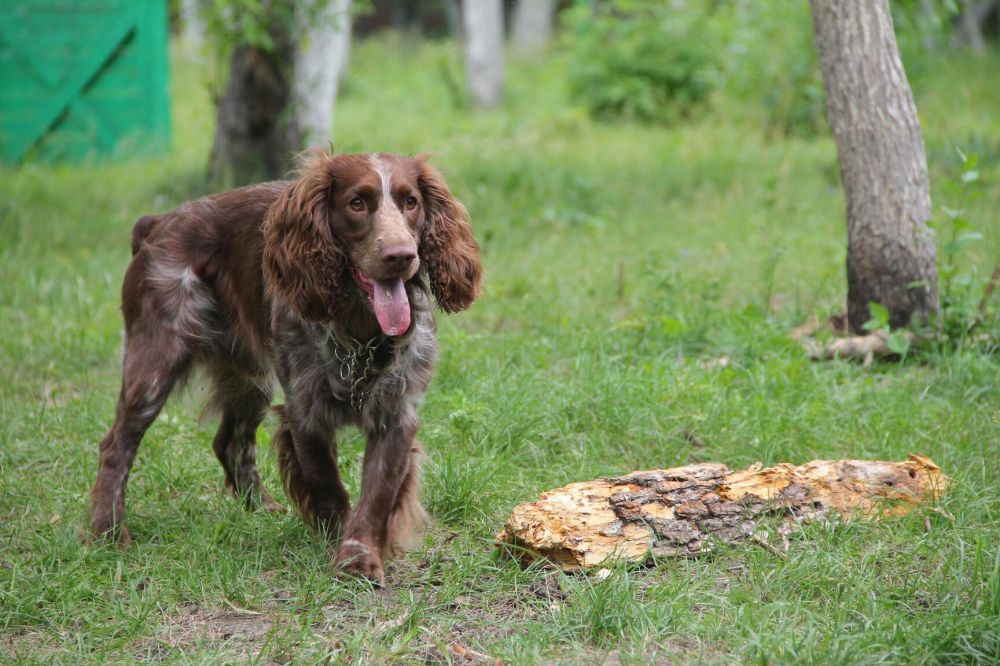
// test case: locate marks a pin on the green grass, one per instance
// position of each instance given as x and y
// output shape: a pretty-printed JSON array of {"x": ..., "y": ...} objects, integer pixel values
[{"x": 620, "y": 258}]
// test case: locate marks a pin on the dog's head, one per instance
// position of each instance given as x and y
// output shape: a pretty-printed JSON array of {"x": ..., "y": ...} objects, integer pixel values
[{"x": 369, "y": 221}]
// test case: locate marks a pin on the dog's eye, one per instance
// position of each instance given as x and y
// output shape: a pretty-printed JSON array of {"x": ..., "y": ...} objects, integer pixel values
[
  {"x": 411, "y": 202},
  {"x": 356, "y": 204}
]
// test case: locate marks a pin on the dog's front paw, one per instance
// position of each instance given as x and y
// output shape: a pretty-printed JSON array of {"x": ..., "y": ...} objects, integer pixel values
[{"x": 358, "y": 558}]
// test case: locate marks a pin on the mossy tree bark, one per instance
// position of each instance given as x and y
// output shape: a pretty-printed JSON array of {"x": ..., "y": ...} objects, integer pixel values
[
  {"x": 280, "y": 99},
  {"x": 891, "y": 256},
  {"x": 255, "y": 133}
]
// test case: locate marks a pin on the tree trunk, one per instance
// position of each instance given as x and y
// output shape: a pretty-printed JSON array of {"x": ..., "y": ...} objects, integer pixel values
[
  {"x": 255, "y": 135},
  {"x": 689, "y": 510},
  {"x": 483, "y": 21},
  {"x": 453, "y": 17},
  {"x": 891, "y": 258},
  {"x": 970, "y": 23},
  {"x": 404, "y": 16},
  {"x": 320, "y": 61},
  {"x": 193, "y": 22},
  {"x": 532, "y": 29}
]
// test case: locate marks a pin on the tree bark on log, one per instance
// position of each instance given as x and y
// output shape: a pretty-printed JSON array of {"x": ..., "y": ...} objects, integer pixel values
[
  {"x": 687, "y": 510},
  {"x": 891, "y": 257}
]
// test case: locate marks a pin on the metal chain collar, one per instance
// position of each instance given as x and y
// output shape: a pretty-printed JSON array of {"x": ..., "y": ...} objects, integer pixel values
[{"x": 357, "y": 366}]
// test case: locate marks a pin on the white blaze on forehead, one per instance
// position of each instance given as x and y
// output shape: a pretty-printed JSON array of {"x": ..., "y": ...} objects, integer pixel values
[
  {"x": 389, "y": 298},
  {"x": 384, "y": 172}
]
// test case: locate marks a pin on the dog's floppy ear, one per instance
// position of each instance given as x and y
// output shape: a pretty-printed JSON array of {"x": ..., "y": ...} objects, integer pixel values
[
  {"x": 447, "y": 247},
  {"x": 302, "y": 261}
]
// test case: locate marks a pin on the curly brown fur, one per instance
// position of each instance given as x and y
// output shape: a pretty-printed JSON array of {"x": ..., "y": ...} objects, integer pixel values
[
  {"x": 302, "y": 261},
  {"x": 448, "y": 248}
]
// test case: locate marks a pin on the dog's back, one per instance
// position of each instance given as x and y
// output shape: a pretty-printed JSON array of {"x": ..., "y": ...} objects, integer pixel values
[
  {"x": 142, "y": 229},
  {"x": 196, "y": 271}
]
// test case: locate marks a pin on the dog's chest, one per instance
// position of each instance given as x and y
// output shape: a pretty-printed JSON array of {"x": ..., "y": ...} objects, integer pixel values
[{"x": 354, "y": 367}]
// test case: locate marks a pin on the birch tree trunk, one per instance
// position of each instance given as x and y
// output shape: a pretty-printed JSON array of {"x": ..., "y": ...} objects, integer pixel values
[
  {"x": 320, "y": 60},
  {"x": 193, "y": 22},
  {"x": 891, "y": 257},
  {"x": 483, "y": 20},
  {"x": 532, "y": 29}
]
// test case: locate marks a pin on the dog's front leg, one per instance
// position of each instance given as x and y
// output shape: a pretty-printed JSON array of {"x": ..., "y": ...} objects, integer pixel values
[
  {"x": 389, "y": 472},
  {"x": 309, "y": 473},
  {"x": 306, "y": 436}
]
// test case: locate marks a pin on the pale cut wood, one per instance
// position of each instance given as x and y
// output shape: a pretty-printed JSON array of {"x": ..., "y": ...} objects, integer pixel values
[
  {"x": 687, "y": 510},
  {"x": 872, "y": 345}
]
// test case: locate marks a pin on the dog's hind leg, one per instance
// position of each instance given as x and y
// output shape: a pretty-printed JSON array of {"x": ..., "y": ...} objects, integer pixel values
[
  {"x": 242, "y": 404},
  {"x": 154, "y": 362}
]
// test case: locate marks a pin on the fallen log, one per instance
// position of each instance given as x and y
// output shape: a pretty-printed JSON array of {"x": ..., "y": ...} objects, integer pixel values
[{"x": 688, "y": 510}]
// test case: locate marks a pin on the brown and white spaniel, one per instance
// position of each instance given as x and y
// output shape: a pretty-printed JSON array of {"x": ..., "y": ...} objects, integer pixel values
[{"x": 325, "y": 281}]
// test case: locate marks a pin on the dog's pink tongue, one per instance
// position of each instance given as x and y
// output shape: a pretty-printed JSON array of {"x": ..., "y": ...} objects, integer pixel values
[{"x": 392, "y": 307}]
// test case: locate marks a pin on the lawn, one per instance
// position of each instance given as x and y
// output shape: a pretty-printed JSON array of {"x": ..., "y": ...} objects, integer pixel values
[{"x": 623, "y": 262}]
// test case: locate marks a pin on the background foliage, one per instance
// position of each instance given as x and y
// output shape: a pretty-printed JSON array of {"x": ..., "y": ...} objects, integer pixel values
[
  {"x": 662, "y": 62},
  {"x": 639, "y": 59}
]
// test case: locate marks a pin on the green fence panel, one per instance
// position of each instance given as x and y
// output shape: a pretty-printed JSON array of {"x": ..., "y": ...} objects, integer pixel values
[{"x": 82, "y": 78}]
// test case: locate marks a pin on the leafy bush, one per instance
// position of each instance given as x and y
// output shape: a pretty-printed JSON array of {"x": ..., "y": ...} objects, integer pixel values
[
  {"x": 662, "y": 62},
  {"x": 965, "y": 310},
  {"x": 642, "y": 59}
]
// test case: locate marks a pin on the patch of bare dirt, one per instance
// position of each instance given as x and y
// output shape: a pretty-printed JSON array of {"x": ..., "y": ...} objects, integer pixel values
[{"x": 233, "y": 633}]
